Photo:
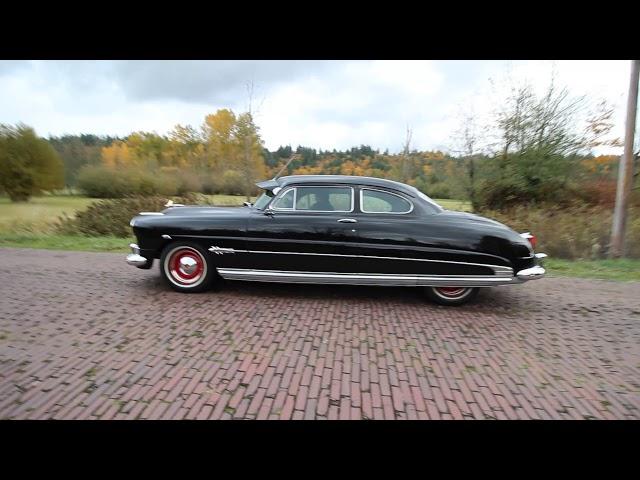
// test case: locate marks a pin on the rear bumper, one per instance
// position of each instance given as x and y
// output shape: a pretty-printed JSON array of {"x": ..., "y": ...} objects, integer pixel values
[
  {"x": 533, "y": 273},
  {"x": 137, "y": 260}
]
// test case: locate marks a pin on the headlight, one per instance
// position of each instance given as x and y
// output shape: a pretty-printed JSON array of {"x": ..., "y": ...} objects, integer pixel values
[{"x": 132, "y": 223}]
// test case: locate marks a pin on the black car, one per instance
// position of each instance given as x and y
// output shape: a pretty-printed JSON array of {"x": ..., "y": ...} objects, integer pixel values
[{"x": 335, "y": 230}]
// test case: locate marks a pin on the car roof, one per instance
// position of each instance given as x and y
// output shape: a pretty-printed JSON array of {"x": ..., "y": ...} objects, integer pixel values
[{"x": 343, "y": 179}]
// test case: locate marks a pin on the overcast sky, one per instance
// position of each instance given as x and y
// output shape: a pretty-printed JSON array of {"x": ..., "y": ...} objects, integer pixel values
[{"x": 321, "y": 104}]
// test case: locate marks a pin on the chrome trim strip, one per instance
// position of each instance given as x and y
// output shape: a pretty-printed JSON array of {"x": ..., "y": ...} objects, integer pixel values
[
  {"x": 220, "y": 250},
  {"x": 364, "y": 279},
  {"x": 499, "y": 270},
  {"x": 166, "y": 237},
  {"x": 151, "y": 213},
  {"x": 362, "y": 189}
]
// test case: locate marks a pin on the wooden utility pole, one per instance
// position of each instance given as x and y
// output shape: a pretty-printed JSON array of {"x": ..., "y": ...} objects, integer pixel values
[{"x": 625, "y": 172}]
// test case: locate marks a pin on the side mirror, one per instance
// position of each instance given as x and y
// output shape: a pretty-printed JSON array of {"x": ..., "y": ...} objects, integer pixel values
[
  {"x": 247, "y": 204},
  {"x": 269, "y": 211}
]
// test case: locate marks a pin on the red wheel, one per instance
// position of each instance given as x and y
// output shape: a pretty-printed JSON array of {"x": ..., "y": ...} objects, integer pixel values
[
  {"x": 185, "y": 267},
  {"x": 451, "y": 295}
]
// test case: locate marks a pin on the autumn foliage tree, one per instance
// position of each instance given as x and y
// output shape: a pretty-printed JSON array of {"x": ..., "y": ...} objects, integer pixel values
[{"x": 28, "y": 163}]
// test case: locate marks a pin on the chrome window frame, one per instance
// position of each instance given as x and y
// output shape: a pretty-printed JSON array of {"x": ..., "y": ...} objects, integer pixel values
[
  {"x": 295, "y": 199},
  {"x": 279, "y": 196},
  {"x": 362, "y": 189}
]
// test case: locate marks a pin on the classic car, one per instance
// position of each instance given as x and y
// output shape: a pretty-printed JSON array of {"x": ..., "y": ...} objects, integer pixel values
[{"x": 330, "y": 229}]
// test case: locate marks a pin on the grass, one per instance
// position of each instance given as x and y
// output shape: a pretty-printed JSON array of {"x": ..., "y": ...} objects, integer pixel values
[
  {"x": 458, "y": 205},
  {"x": 624, "y": 269},
  {"x": 38, "y": 214},
  {"x": 66, "y": 242}
]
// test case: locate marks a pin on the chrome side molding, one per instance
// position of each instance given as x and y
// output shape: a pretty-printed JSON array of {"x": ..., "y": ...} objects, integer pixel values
[
  {"x": 221, "y": 250},
  {"x": 375, "y": 279}
]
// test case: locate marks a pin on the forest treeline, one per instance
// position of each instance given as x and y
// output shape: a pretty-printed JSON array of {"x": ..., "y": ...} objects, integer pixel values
[{"x": 538, "y": 148}]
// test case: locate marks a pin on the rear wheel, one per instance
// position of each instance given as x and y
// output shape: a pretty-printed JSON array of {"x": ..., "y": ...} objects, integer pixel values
[
  {"x": 186, "y": 268},
  {"x": 451, "y": 296}
]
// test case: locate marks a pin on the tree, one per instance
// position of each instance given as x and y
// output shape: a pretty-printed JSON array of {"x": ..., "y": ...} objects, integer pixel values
[
  {"x": 249, "y": 146},
  {"x": 405, "y": 165},
  {"x": 468, "y": 148},
  {"x": 542, "y": 144},
  {"x": 28, "y": 164},
  {"x": 217, "y": 132}
]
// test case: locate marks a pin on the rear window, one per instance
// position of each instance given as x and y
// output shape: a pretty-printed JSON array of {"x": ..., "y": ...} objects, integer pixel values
[{"x": 376, "y": 201}]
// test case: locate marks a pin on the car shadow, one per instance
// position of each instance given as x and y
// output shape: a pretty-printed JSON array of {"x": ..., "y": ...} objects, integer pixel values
[
  {"x": 507, "y": 300},
  {"x": 490, "y": 300}
]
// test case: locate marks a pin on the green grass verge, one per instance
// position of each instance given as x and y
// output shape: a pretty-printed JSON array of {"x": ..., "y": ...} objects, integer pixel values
[
  {"x": 619, "y": 269},
  {"x": 456, "y": 205},
  {"x": 38, "y": 214},
  {"x": 66, "y": 242}
]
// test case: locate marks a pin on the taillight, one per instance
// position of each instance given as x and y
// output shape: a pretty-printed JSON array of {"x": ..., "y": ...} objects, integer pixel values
[{"x": 531, "y": 238}]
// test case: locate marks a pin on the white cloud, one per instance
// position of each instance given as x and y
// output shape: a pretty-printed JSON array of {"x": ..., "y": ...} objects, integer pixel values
[{"x": 329, "y": 104}]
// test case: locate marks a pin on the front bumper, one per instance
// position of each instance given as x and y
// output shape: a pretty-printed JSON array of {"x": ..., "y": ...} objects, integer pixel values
[{"x": 137, "y": 260}]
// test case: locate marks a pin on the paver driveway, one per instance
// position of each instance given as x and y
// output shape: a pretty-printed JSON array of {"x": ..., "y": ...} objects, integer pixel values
[{"x": 83, "y": 335}]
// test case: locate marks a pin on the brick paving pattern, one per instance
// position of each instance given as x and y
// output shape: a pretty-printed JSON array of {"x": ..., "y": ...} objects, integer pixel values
[{"x": 84, "y": 336}]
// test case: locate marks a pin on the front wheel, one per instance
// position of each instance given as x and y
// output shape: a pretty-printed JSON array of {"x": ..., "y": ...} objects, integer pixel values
[
  {"x": 451, "y": 296},
  {"x": 186, "y": 268}
]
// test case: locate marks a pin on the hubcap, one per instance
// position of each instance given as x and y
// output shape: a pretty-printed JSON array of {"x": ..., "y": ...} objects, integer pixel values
[
  {"x": 451, "y": 292},
  {"x": 185, "y": 266}
]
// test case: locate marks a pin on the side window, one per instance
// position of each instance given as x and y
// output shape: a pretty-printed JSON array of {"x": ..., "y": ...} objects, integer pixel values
[
  {"x": 286, "y": 200},
  {"x": 324, "y": 199},
  {"x": 376, "y": 201}
]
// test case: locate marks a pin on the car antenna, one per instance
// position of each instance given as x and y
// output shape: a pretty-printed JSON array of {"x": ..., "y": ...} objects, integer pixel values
[{"x": 285, "y": 166}]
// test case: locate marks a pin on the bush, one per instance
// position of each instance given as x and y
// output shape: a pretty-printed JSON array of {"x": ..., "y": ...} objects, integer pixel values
[
  {"x": 112, "y": 217},
  {"x": 232, "y": 183},
  {"x": 574, "y": 232},
  {"x": 28, "y": 164},
  {"x": 98, "y": 181}
]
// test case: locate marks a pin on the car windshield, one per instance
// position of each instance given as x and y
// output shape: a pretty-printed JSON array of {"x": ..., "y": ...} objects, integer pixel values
[{"x": 263, "y": 200}]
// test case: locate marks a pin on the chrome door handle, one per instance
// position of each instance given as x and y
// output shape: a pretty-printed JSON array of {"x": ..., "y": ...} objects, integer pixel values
[{"x": 348, "y": 220}]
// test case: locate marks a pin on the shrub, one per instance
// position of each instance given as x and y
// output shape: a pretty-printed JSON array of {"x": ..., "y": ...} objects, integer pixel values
[
  {"x": 573, "y": 232},
  {"x": 98, "y": 181},
  {"x": 188, "y": 181},
  {"x": 232, "y": 183},
  {"x": 112, "y": 217}
]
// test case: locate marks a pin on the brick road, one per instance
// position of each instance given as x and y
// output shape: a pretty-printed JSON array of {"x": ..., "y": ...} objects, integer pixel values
[{"x": 84, "y": 336}]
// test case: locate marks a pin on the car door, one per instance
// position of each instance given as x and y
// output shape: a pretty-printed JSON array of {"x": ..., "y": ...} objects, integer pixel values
[{"x": 302, "y": 230}]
